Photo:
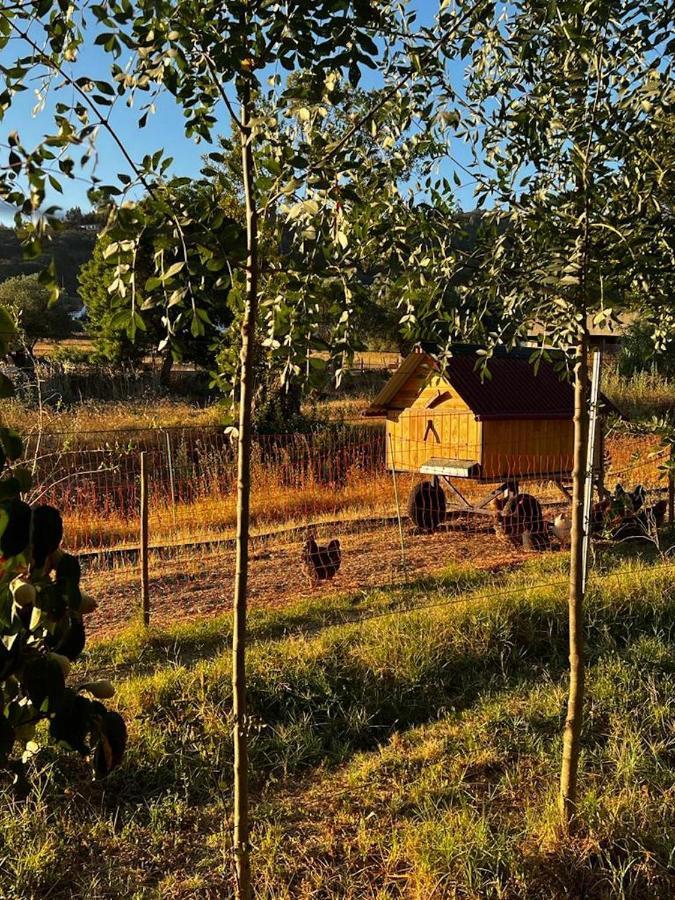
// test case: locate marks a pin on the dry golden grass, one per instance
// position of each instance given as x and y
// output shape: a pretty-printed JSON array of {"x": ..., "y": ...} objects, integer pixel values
[
  {"x": 273, "y": 505},
  {"x": 276, "y": 504},
  {"x": 90, "y": 418},
  {"x": 635, "y": 459},
  {"x": 641, "y": 395}
]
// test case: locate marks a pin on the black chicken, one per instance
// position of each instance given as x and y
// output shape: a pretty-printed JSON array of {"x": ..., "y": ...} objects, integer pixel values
[
  {"x": 320, "y": 563},
  {"x": 618, "y": 507},
  {"x": 638, "y": 497},
  {"x": 519, "y": 517},
  {"x": 643, "y": 524}
]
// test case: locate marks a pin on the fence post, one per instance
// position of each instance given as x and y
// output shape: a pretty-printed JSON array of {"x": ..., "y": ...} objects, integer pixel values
[
  {"x": 590, "y": 463},
  {"x": 398, "y": 505},
  {"x": 145, "y": 583},
  {"x": 172, "y": 485}
]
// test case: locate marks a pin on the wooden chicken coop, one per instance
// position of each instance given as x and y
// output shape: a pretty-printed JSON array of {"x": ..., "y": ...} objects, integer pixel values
[{"x": 452, "y": 424}]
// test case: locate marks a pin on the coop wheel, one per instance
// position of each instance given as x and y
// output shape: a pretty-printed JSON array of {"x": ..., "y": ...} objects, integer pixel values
[{"x": 426, "y": 505}]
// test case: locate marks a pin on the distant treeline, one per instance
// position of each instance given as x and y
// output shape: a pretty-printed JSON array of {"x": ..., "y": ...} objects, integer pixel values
[{"x": 70, "y": 248}]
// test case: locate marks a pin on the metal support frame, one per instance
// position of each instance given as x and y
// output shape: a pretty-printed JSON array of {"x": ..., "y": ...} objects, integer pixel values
[
  {"x": 564, "y": 491},
  {"x": 590, "y": 462},
  {"x": 479, "y": 507},
  {"x": 458, "y": 493}
]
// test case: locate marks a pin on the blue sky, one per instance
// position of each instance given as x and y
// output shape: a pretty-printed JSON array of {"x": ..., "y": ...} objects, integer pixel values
[{"x": 164, "y": 129}]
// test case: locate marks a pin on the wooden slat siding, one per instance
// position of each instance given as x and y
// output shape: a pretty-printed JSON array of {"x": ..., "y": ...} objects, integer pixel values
[
  {"x": 454, "y": 423},
  {"x": 521, "y": 447}
]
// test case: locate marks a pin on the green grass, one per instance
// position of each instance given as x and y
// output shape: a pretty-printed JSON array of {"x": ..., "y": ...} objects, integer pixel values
[
  {"x": 140, "y": 649},
  {"x": 467, "y": 806},
  {"x": 405, "y": 753}
]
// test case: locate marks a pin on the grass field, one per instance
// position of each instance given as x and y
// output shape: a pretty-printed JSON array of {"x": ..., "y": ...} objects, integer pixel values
[
  {"x": 405, "y": 743},
  {"x": 642, "y": 395},
  {"x": 347, "y": 480},
  {"x": 86, "y": 424}
]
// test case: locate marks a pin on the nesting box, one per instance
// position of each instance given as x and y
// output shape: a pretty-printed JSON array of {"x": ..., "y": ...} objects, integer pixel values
[{"x": 516, "y": 424}]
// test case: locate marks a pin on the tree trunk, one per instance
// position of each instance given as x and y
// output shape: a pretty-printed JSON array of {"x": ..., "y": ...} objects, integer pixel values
[
  {"x": 241, "y": 823},
  {"x": 165, "y": 370},
  {"x": 572, "y": 733}
]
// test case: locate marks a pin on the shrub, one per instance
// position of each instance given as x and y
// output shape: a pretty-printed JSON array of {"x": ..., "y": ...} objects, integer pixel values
[{"x": 41, "y": 624}]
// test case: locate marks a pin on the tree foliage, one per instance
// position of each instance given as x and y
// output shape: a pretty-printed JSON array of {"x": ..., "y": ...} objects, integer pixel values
[
  {"x": 69, "y": 248},
  {"x": 564, "y": 101},
  {"x": 312, "y": 167},
  {"x": 160, "y": 247},
  {"x": 35, "y": 316},
  {"x": 42, "y": 609}
]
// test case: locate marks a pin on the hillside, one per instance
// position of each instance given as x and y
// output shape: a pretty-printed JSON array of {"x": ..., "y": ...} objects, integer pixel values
[{"x": 70, "y": 248}]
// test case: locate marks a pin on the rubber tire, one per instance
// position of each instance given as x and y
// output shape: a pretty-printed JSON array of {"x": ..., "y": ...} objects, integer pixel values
[{"x": 426, "y": 505}]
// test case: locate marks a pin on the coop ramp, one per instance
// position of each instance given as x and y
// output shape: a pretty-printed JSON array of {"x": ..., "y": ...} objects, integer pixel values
[{"x": 459, "y": 468}]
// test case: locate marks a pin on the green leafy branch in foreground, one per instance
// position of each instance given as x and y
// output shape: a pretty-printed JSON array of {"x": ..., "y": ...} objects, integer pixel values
[{"x": 41, "y": 624}]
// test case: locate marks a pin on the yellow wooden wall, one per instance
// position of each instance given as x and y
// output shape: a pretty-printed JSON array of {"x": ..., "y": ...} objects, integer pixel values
[
  {"x": 525, "y": 447},
  {"x": 453, "y": 433},
  {"x": 419, "y": 428}
]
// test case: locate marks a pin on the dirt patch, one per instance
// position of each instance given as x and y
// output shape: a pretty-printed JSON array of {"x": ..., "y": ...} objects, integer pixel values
[{"x": 186, "y": 587}]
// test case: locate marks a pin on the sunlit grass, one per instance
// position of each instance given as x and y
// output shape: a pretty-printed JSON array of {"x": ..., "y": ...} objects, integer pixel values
[
  {"x": 640, "y": 396},
  {"x": 82, "y": 425},
  {"x": 413, "y": 752}
]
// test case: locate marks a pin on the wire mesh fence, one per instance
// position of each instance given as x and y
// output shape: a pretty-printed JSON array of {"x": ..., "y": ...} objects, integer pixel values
[{"x": 394, "y": 516}]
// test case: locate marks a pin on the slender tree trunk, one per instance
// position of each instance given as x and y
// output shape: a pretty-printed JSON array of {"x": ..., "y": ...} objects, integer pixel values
[
  {"x": 241, "y": 823},
  {"x": 572, "y": 733}
]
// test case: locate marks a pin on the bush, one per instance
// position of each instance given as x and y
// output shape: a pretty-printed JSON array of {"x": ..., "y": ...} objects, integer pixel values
[
  {"x": 35, "y": 316},
  {"x": 637, "y": 354},
  {"x": 41, "y": 624}
]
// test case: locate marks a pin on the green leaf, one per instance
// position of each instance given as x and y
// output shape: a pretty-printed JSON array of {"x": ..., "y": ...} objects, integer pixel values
[
  {"x": 72, "y": 723},
  {"x": 6, "y": 387},
  {"x": 7, "y": 329},
  {"x": 120, "y": 320},
  {"x": 173, "y": 269},
  {"x": 43, "y": 681},
  {"x": 112, "y": 744},
  {"x": 11, "y": 443}
]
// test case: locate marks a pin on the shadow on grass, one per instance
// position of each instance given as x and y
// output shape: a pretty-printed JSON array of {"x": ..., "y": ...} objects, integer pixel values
[
  {"x": 317, "y": 700},
  {"x": 137, "y": 650}
]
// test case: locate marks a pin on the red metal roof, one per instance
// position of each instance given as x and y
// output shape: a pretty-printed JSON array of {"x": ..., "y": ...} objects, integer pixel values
[{"x": 513, "y": 392}]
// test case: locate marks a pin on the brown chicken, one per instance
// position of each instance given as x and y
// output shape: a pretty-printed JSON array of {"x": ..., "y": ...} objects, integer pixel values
[{"x": 320, "y": 563}]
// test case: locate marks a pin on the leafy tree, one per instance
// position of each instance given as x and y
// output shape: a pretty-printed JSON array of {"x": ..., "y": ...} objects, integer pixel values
[
  {"x": 638, "y": 353},
  {"x": 69, "y": 248},
  {"x": 36, "y": 318},
  {"x": 115, "y": 340},
  {"x": 208, "y": 54},
  {"x": 380, "y": 223},
  {"x": 564, "y": 106},
  {"x": 41, "y": 624}
]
